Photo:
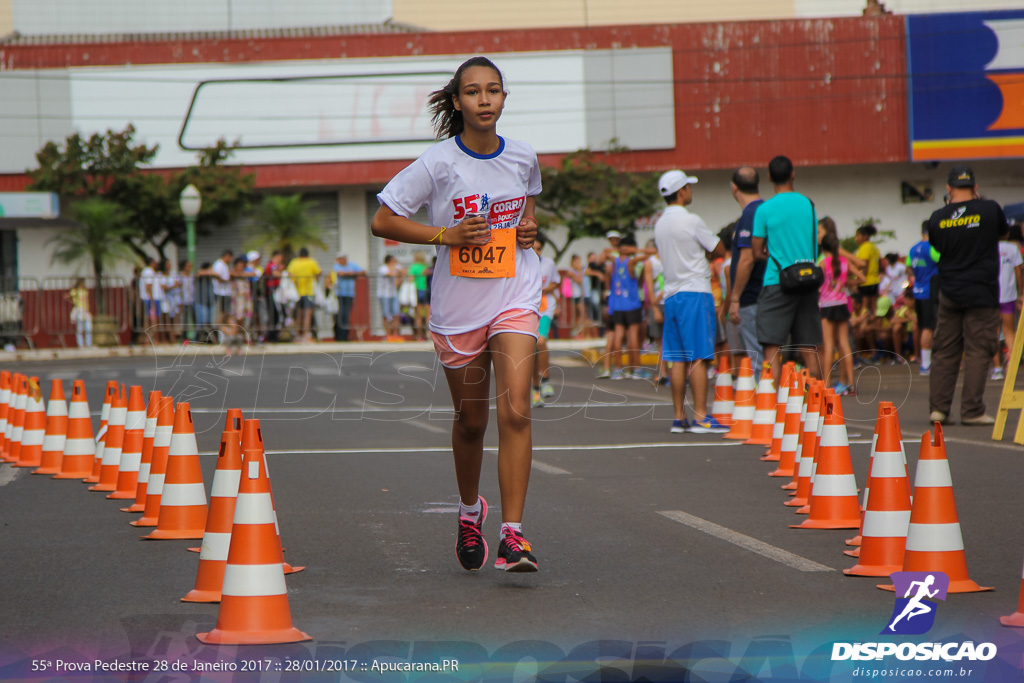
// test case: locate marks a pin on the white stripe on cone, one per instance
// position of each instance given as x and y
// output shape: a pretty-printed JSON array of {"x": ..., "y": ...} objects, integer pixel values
[
  {"x": 254, "y": 508},
  {"x": 888, "y": 465},
  {"x": 183, "y": 445},
  {"x": 215, "y": 547},
  {"x": 155, "y": 485},
  {"x": 183, "y": 495},
  {"x": 934, "y": 537},
  {"x": 32, "y": 437},
  {"x": 932, "y": 473},
  {"x": 835, "y": 485},
  {"x": 834, "y": 436},
  {"x": 225, "y": 483},
  {"x": 886, "y": 523},
  {"x": 254, "y": 580}
]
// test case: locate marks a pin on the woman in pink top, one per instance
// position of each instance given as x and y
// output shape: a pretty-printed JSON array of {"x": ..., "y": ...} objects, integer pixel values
[{"x": 834, "y": 302}]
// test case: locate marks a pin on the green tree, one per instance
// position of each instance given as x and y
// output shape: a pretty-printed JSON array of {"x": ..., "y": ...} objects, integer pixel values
[
  {"x": 100, "y": 239},
  {"x": 113, "y": 166},
  {"x": 283, "y": 224},
  {"x": 850, "y": 243},
  {"x": 589, "y": 196}
]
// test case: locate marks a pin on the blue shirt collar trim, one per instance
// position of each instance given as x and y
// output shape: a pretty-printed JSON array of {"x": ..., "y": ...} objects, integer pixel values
[{"x": 467, "y": 150}]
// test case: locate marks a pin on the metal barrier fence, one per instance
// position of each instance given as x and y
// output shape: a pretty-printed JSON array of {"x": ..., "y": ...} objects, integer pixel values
[{"x": 65, "y": 311}]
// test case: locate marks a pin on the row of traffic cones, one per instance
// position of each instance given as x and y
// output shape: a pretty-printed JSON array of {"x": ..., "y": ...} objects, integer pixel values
[
  {"x": 807, "y": 437},
  {"x": 149, "y": 456}
]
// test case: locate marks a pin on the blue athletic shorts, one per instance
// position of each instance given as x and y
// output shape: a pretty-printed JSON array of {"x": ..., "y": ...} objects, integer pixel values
[{"x": 689, "y": 332}]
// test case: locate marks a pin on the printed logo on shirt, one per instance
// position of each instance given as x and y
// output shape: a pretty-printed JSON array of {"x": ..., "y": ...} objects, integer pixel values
[
  {"x": 501, "y": 214},
  {"x": 959, "y": 220}
]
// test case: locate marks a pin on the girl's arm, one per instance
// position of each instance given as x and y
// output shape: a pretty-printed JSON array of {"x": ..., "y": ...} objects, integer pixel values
[
  {"x": 853, "y": 275},
  {"x": 860, "y": 263},
  {"x": 389, "y": 225}
]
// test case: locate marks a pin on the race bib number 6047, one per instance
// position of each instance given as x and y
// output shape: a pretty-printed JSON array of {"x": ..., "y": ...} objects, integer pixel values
[{"x": 497, "y": 258}]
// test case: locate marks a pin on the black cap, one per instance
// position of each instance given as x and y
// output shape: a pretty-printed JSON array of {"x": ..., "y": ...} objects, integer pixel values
[{"x": 961, "y": 176}]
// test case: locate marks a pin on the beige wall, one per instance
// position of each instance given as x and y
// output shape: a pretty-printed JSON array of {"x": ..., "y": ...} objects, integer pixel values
[
  {"x": 6, "y": 18},
  {"x": 453, "y": 15}
]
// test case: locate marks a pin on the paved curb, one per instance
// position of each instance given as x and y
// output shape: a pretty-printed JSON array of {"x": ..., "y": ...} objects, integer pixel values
[{"x": 288, "y": 349}]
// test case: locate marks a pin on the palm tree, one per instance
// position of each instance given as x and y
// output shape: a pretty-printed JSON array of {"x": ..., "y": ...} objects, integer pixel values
[
  {"x": 100, "y": 239},
  {"x": 283, "y": 224}
]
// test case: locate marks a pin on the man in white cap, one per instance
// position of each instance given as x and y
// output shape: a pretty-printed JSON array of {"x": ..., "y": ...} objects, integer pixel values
[{"x": 688, "y": 340}]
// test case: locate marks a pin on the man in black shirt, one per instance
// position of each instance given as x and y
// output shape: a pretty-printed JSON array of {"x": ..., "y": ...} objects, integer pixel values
[{"x": 966, "y": 234}]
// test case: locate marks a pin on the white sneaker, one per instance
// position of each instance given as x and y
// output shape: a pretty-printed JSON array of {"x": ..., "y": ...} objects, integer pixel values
[{"x": 997, "y": 373}]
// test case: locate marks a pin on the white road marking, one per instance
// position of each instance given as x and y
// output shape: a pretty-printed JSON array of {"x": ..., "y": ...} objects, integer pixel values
[
  {"x": 494, "y": 449},
  {"x": 9, "y": 474},
  {"x": 752, "y": 544},
  {"x": 364, "y": 408},
  {"x": 319, "y": 371},
  {"x": 428, "y": 427},
  {"x": 548, "y": 469},
  {"x": 983, "y": 444}
]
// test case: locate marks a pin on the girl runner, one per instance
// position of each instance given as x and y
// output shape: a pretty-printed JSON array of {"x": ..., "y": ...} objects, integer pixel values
[{"x": 479, "y": 190}]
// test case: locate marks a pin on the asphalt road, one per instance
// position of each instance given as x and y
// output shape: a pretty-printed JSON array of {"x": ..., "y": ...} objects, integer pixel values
[{"x": 635, "y": 529}]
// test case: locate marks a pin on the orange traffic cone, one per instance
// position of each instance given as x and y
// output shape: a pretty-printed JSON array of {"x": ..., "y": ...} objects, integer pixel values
[
  {"x": 883, "y": 406},
  {"x": 183, "y": 500},
  {"x": 743, "y": 407},
  {"x": 232, "y": 423},
  {"x": 213, "y": 557},
  {"x": 791, "y": 429},
  {"x": 834, "y": 503},
  {"x": 807, "y": 449},
  {"x": 56, "y": 430},
  {"x": 113, "y": 443},
  {"x": 80, "y": 444},
  {"x": 721, "y": 408},
  {"x": 774, "y": 453},
  {"x": 101, "y": 435},
  {"x": 146, "y": 459},
  {"x": 158, "y": 467},
  {"x": 34, "y": 431},
  {"x": 934, "y": 541},
  {"x": 764, "y": 409},
  {"x": 131, "y": 449},
  {"x": 19, "y": 396},
  {"x": 253, "y": 438},
  {"x": 254, "y": 606},
  {"x": 887, "y": 517},
  {"x": 5, "y": 404},
  {"x": 1017, "y": 618}
]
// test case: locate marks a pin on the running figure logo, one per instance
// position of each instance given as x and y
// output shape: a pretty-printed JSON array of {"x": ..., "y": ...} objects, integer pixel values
[{"x": 913, "y": 613}]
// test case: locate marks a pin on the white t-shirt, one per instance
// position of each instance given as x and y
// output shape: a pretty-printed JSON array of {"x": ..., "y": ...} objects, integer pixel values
[
  {"x": 147, "y": 277},
  {"x": 892, "y": 283},
  {"x": 444, "y": 179},
  {"x": 683, "y": 239},
  {"x": 1009, "y": 258},
  {"x": 386, "y": 288},
  {"x": 548, "y": 274},
  {"x": 222, "y": 278}
]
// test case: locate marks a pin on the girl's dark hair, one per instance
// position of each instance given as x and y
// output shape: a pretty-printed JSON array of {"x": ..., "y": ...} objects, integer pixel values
[
  {"x": 830, "y": 243},
  {"x": 868, "y": 230},
  {"x": 446, "y": 119}
]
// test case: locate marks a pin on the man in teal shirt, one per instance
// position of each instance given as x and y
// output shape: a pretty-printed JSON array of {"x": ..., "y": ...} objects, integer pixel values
[{"x": 786, "y": 232}]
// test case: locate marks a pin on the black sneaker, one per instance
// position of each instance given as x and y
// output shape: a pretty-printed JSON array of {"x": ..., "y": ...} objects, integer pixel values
[
  {"x": 471, "y": 548},
  {"x": 514, "y": 554}
]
